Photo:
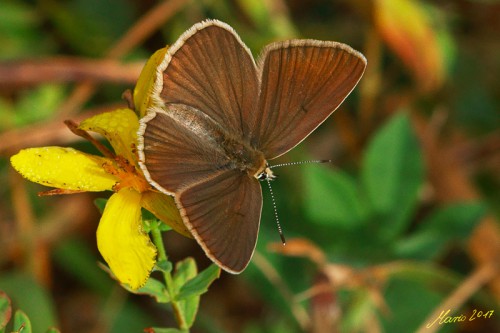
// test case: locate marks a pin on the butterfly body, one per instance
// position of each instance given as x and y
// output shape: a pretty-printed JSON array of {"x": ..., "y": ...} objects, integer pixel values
[{"x": 218, "y": 116}]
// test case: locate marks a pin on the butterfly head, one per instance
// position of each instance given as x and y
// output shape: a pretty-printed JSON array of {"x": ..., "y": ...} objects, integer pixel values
[{"x": 266, "y": 174}]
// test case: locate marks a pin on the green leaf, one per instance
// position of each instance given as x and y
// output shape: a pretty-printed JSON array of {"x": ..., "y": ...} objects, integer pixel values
[
  {"x": 153, "y": 288},
  {"x": 164, "y": 266},
  {"x": 184, "y": 270},
  {"x": 148, "y": 219},
  {"x": 189, "y": 294},
  {"x": 200, "y": 283},
  {"x": 392, "y": 174},
  {"x": 163, "y": 226},
  {"x": 188, "y": 306},
  {"x": 331, "y": 197},
  {"x": 22, "y": 323},
  {"x": 21, "y": 33},
  {"x": 422, "y": 272},
  {"x": 5, "y": 310},
  {"x": 100, "y": 203},
  {"x": 28, "y": 295},
  {"x": 39, "y": 104},
  {"x": 268, "y": 21},
  {"x": 410, "y": 302},
  {"x": 445, "y": 225},
  {"x": 89, "y": 26}
]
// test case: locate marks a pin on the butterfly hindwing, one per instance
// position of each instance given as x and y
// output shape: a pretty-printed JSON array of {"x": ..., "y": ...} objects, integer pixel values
[{"x": 223, "y": 213}]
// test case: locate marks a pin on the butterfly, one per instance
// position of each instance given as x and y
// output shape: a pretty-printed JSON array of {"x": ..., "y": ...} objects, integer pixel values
[{"x": 218, "y": 116}]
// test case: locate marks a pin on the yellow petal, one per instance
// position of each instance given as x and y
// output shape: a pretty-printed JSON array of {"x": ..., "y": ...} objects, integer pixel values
[
  {"x": 121, "y": 240},
  {"x": 119, "y": 127},
  {"x": 64, "y": 168},
  {"x": 146, "y": 81},
  {"x": 164, "y": 208}
]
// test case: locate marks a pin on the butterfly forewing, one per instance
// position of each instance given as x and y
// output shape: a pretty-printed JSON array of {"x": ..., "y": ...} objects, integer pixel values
[
  {"x": 303, "y": 82},
  {"x": 210, "y": 69},
  {"x": 223, "y": 213}
]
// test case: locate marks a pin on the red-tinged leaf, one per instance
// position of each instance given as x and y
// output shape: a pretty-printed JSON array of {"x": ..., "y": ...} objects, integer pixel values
[
  {"x": 5, "y": 310},
  {"x": 408, "y": 29}
]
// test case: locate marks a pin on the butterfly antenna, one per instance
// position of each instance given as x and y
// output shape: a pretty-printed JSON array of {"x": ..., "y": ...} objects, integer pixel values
[
  {"x": 282, "y": 236},
  {"x": 298, "y": 163}
]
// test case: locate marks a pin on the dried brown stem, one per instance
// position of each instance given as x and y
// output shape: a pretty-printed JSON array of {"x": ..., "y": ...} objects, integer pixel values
[
  {"x": 73, "y": 127},
  {"x": 15, "y": 74}
]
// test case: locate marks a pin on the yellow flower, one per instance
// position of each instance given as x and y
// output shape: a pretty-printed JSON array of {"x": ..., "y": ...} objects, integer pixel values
[{"x": 120, "y": 238}]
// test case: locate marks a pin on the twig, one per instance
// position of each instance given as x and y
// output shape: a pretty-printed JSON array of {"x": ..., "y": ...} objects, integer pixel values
[
  {"x": 73, "y": 127},
  {"x": 66, "y": 69}
]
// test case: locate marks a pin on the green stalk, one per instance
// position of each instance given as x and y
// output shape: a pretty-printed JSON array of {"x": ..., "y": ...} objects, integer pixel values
[{"x": 169, "y": 282}]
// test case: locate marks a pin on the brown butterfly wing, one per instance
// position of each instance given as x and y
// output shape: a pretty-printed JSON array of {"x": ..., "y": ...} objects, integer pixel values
[
  {"x": 220, "y": 205},
  {"x": 303, "y": 82},
  {"x": 176, "y": 150},
  {"x": 223, "y": 213},
  {"x": 211, "y": 69}
]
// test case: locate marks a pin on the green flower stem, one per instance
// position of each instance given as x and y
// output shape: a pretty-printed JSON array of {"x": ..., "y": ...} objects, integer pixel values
[{"x": 162, "y": 256}]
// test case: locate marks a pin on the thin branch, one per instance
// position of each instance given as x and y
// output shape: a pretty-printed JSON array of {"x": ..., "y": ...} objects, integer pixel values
[{"x": 66, "y": 69}]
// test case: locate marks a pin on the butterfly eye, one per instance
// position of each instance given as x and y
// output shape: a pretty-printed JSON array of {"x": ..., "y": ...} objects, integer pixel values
[{"x": 262, "y": 176}]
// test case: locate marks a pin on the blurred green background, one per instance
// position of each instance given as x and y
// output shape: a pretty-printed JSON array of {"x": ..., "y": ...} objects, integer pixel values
[{"x": 403, "y": 223}]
